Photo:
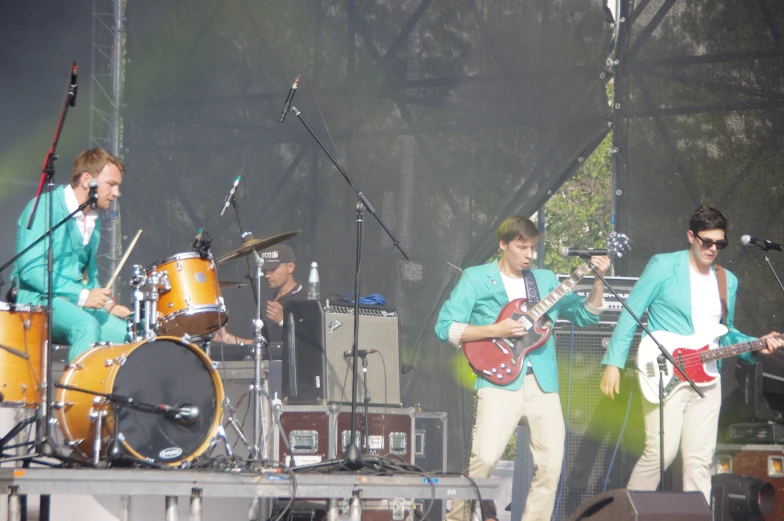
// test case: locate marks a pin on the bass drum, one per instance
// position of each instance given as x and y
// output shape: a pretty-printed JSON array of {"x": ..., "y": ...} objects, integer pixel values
[{"x": 166, "y": 370}]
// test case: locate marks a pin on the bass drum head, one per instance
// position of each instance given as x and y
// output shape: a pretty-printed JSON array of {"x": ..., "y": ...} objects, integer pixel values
[{"x": 172, "y": 372}]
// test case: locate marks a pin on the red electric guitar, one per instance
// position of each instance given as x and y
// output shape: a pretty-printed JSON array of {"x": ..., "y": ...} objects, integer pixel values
[{"x": 499, "y": 360}]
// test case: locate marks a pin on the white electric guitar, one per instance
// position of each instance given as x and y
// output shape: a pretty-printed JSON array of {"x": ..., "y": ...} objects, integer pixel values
[{"x": 691, "y": 353}]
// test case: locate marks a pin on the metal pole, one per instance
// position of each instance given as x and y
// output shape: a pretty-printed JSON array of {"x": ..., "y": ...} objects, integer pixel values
[
  {"x": 14, "y": 505},
  {"x": 171, "y": 508},
  {"x": 195, "y": 504},
  {"x": 115, "y": 138},
  {"x": 125, "y": 508}
]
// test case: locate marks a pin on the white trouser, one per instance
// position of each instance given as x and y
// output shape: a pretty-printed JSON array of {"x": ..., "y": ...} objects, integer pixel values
[
  {"x": 498, "y": 412},
  {"x": 691, "y": 423}
]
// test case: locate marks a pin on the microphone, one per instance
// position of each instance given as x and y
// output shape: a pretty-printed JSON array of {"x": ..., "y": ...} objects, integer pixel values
[
  {"x": 188, "y": 413},
  {"x": 361, "y": 353},
  {"x": 748, "y": 240},
  {"x": 93, "y": 197},
  {"x": 74, "y": 87},
  {"x": 289, "y": 99},
  {"x": 227, "y": 202},
  {"x": 563, "y": 251}
]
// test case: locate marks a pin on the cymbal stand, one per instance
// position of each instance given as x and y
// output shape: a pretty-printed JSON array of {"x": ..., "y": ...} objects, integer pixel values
[
  {"x": 260, "y": 386},
  {"x": 244, "y": 236}
]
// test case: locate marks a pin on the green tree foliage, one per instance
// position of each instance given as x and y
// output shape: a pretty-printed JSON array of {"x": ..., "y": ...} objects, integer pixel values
[{"x": 578, "y": 215}]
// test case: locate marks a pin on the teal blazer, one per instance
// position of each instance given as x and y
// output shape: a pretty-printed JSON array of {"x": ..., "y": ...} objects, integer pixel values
[
  {"x": 478, "y": 299},
  {"x": 30, "y": 269},
  {"x": 664, "y": 289}
]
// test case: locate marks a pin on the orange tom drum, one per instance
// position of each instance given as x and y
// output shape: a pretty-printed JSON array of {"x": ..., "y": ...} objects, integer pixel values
[
  {"x": 23, "y": 331},
  {"x": 166, "y": 371},
  {"x": 194, "y": 304}
]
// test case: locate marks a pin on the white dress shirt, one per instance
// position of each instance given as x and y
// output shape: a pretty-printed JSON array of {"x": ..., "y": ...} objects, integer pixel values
[{"x": 86, "y": 224}]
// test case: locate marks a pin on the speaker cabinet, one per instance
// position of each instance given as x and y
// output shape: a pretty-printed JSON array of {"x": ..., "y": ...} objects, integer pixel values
[
  {"x": 315, "y": 341},
  {"x": 636, "y": 505}
]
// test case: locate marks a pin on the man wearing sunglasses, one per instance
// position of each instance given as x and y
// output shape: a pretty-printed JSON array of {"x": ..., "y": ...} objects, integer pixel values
[{"x": 681, "y": 293}]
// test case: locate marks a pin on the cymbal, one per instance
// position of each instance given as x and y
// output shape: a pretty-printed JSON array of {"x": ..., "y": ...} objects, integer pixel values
[
  {"x": 251, "y": 245},
  {"x": 230, "y": 284}
]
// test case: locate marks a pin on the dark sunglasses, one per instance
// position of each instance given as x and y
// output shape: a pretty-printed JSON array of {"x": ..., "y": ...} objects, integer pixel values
[{"x": 707, "y": 243}]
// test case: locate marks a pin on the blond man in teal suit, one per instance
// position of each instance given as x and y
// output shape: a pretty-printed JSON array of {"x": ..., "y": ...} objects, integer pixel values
[
  {"x": 83, "y": 312},
  {"x": 470, "y": 314},
  {"x": 680, "y": 291}
]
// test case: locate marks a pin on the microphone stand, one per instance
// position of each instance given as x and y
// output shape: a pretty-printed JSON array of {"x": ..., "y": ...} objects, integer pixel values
[
  {"x": 43, "y": 426},
  {"x": 353, "y": 457},
  {"x": 772, "y": 269},
  {"x": 662, "y": 361}
]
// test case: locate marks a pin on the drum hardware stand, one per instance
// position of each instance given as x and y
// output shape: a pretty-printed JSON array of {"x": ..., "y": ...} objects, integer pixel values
[
  {"x": 232, "y": 419},
  {"x": 353, "y": 456},
  {"x": 244, "y": 236},
  {"x": 260, "y": 386},
  {"x": 146, "y": 290},
  {"x": 97, "y": 414}
]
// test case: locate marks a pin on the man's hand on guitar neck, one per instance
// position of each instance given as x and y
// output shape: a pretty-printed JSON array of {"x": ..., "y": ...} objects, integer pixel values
[{"x": 775, "y": 341}]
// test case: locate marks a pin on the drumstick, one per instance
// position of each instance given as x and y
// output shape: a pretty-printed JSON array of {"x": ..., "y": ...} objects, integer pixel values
[{"x": 125, "y": 258}]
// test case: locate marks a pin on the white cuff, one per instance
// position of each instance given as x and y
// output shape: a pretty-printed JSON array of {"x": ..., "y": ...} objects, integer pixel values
[
  {"x": 456, "y": 333},
  {"x": 593, "y": 309},
  {"x": 83, "y": 297},
  {"x": 280, "y": 323}
]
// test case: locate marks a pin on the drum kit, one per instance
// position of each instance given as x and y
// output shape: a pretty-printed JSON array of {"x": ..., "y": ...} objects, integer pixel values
[{"x": 157, "y": 399}]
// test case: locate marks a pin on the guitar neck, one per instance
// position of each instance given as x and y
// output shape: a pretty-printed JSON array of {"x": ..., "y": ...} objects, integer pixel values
[
  {"x": 544, "y": 305},
  {"x": 734, "y": 350}
]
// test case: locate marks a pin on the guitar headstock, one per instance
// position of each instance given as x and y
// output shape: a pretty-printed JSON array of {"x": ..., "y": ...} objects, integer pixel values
[{"x": 617, "y": 244}]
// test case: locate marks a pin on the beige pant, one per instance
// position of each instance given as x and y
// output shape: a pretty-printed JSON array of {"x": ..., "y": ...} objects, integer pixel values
[
  {"x": 691, "y": 423},
  {"x": 498, "y": 412}
]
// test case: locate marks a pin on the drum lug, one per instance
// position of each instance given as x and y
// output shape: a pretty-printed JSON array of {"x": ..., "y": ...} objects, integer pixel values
[
  {"x": 179, "y": 265},
  {"x": 120, "y": 360},
  {"x": 78, "y": 367},
  {"x": 188, "y": 303},
  {"x": 165, "y": 281}
]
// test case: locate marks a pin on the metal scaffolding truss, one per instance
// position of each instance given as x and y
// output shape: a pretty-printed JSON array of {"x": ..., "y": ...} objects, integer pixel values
[
  {"x": 637, "y": 98},
  {"x": 105, "y": 123},
  {"x": 402, "y": 93}
]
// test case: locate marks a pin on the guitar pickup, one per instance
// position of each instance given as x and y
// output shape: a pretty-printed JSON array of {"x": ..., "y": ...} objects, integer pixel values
[{"x": 499, "y": 346}]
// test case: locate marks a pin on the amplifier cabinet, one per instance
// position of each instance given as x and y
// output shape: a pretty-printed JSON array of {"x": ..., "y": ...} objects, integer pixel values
[
  {"x": 318, "y": 433},
  {"x": 316, "y": 338},
  {"x": 764, "y": 462}
]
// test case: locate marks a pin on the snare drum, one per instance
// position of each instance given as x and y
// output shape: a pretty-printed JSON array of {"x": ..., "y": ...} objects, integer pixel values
[
  {"x": 163, "y": 371},
  {"x": 22, "y": 329},
  {"x": 194, "y": 304}
]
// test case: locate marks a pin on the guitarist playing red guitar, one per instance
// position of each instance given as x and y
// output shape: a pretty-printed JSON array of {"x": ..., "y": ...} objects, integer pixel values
[{"x": 470, "y": 315}]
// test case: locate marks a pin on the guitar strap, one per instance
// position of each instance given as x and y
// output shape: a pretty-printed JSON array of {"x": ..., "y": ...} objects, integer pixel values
[
  {"x": 721, "y": 278},
  {"x": 531, "y": 291}
]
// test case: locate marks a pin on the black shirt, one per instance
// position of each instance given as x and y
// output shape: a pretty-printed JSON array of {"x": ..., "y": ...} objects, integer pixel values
[{"x": 274, "y": 332}]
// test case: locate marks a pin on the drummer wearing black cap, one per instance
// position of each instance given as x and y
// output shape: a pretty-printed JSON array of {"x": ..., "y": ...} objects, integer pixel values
[{"x": 279, "y": 264}]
